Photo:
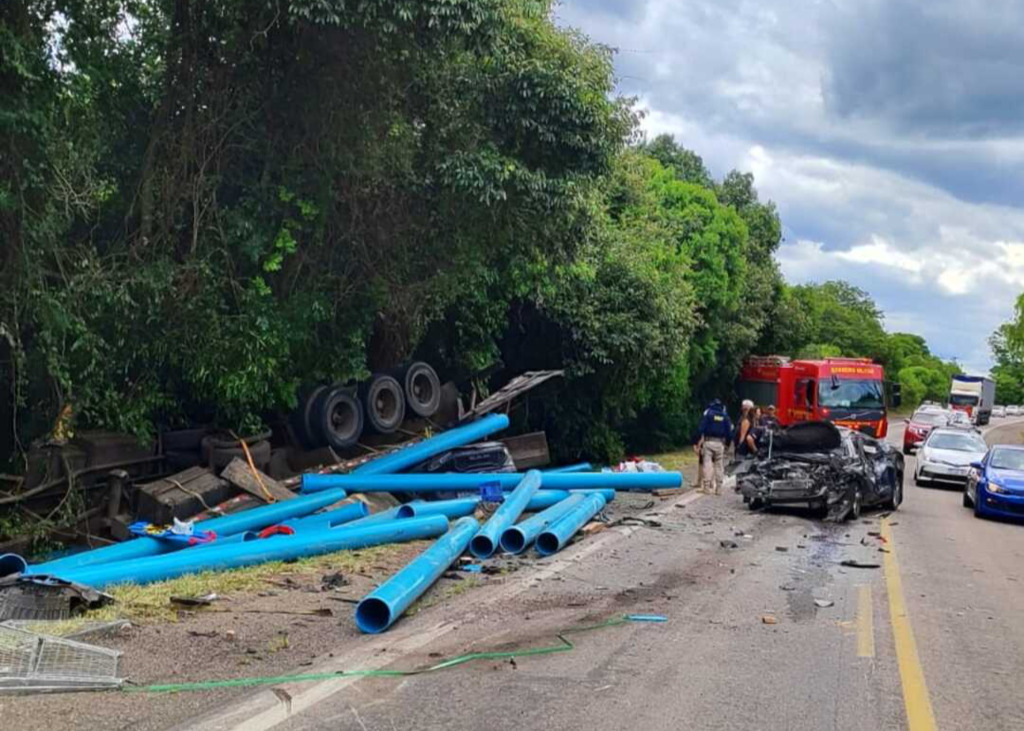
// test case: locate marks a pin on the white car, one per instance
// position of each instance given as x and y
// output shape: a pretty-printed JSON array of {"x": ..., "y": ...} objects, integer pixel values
[
  {"x": 1013, "y": 410},
  {"x": 998, "y": 412},
  {"x": 946, "y": 456},
  {"x": 959, "y": 420}
]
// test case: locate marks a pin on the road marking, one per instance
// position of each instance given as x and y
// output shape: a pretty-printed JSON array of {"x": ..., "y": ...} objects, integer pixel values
[
  {"x": 865, "y": 622},
  {"x": 920, "y": 716}
]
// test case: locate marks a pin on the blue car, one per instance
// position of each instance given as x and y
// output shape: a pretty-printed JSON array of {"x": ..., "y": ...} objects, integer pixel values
[{"x": 995, "y": 486}]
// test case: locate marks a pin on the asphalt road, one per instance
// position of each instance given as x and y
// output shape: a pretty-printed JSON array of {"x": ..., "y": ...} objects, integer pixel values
[{"x": 931, "y": 638}]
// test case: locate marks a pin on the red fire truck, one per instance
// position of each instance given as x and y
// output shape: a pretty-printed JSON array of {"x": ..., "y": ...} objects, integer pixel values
[{"x": 850, "y": 392}]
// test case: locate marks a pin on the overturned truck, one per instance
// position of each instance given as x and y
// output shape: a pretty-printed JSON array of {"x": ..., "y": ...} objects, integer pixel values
[{"x": 830, "y": 469}]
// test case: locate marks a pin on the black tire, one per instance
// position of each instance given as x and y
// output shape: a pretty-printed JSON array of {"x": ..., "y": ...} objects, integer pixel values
[
  {"x": 383, "y": 403},
  {"x": 977, "y": 508},
  {"x": 967, "y": 499},
  {"x": 896, "y": 500},
  {"x": 422, "y": 388},
  {"x": 218, "y": 452},
  {"x": 303, "y": 418},
  {"x": 855, "y": 508},
  {"x": 339, "y": 418}
]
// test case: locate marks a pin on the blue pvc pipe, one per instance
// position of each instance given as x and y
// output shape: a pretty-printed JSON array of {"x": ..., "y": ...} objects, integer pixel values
[
  {"x": 485, "y": 542},
  {"x": 382, "y": 517},
  {"x": 332, "y": 518},
  {"x": 581, "y": 467},
  {"x": 242, "y": 537},
  {"x": 379, "y": 609},
  {"x": 237, "y": 555},
  {"x": 252, "y": 519},
  {"x": 517, "y": 538},
  {"x": 507, "y": 480},
  {"x": 12, "y": 563},
  {"x": 410, "y": 456},
  {"x": 463, "y": 506},
  {"x": 553, "y": 538}
]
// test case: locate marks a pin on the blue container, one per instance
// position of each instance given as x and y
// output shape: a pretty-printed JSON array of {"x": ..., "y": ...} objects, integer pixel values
[
  {"x": 379, "y": 609},
  {"x": 411, "y": 456},
  {"x": 553, "y": 538},
  {"x": 414, "y": 483},
  {"x": 252, "y": 519},
  {"x": 485, "y": 542},
  {"x": 237, "y": 555},
  {"x": 517, "y": 538}
]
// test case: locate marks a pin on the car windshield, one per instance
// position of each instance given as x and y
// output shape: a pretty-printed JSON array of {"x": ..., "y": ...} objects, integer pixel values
[
  {"x": 931, "y": 418},
  {"x": 956, "y": 442},
  {"x": 961, "y": 400},
  {"x": 851, "y": 394},
  {"x": 1007, "y": 459}
]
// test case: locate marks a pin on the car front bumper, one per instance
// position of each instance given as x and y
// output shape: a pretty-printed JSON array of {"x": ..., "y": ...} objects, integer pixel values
[
  {"x": 1006, "y": 505},
  {"x": 941, "y": 472}
]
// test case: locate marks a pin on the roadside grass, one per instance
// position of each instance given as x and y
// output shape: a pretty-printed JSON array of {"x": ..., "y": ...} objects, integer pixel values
[
  {"x": 677, "y": 460},
  {"x": 151, "y": 602}
]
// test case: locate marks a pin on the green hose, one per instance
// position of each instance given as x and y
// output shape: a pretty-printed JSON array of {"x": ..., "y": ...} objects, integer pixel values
[{"x": 564, "y": 646}]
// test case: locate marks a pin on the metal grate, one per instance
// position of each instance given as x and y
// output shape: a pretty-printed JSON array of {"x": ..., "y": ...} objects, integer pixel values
[{"x": 32, "y": 663}]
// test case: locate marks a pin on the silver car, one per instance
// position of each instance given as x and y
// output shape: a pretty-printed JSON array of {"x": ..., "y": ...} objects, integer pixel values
[{"x": 946, "y": 455}]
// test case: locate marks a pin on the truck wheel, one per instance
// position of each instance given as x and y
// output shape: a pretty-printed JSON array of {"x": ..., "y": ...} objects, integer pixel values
[
  {"x": 422, "y": 388},
  {"x": 340, "y": 419},
  {"x": 383, "y": 403}
]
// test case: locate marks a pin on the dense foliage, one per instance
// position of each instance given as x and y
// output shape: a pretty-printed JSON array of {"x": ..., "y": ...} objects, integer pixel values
[
  {"x": 204, "y": 205},
  {"x": 1008, "y": 350}
]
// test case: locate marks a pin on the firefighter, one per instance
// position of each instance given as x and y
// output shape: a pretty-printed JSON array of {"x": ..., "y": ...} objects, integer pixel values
[{"x": 714, "y": 432}]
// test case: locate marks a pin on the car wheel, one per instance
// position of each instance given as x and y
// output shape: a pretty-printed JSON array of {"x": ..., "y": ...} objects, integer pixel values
[
  {"x": 977, "y": 507},
  {"x": 855, "y": 508},
  {"x": 756, "y": 503},
  {"x": 967, "y": 499},
  {"x": 897, "y": 494}
]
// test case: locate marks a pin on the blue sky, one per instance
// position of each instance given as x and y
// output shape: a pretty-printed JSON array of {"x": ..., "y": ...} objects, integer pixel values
[{"x": 890, "y": 133}]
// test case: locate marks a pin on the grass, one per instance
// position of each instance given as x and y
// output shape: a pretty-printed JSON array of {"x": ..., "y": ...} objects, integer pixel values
[
  {"x": 674, "y": 461},
  {"x": 151, "y": 602}
]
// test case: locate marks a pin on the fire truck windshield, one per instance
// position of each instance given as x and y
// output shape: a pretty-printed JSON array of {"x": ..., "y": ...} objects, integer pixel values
[{"x": 842, "y": 393}]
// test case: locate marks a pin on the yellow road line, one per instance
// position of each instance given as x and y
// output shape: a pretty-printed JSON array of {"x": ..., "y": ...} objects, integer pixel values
[
  {"x": 865, "y": 623},
  {"x": 920, "y": 716}
]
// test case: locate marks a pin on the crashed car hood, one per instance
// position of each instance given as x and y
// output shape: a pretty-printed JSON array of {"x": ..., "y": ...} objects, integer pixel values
[{"x": 810, "y": 436}]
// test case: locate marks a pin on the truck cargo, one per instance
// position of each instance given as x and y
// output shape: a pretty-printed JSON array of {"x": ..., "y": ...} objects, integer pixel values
[{"x": 974, "y": 395}]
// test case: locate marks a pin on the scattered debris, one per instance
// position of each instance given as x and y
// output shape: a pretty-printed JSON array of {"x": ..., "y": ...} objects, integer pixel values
[
  {"x": 728, "y": 544},
  {"x": 824, "y": 603},
  {"x": 854, "y": 564},
  {"x": 333, "y": 582},
  {"x": 768, "y": 619},
  {"x": 781, "y": 549},
  {"x": 195, "y": 601}
]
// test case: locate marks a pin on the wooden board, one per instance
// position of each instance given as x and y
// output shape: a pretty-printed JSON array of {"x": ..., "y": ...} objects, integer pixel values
[{"x": 239, "y": 474}]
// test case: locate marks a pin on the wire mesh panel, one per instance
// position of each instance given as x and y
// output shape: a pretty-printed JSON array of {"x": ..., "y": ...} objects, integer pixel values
[{"x": 31, "y": 663}]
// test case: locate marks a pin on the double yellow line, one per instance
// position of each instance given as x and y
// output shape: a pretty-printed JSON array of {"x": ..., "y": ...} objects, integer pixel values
[{"x": 920, "y": 716}]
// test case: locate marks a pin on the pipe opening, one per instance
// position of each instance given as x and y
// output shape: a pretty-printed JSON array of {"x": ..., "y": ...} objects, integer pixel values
[
  {"x": 12, "y": 563},
  {"x": 406, "y": 511},
  {"x": 547, "y": 543},
  {"x": 513, "y": 541},
  {"x": 373, "y": 615},
  {"x": 481, "y": 546}
]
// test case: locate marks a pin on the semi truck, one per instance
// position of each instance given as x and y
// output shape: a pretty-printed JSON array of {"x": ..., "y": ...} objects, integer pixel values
[
  {"x": 974, "y": 395},
  {"x": 850, "y": 392}
]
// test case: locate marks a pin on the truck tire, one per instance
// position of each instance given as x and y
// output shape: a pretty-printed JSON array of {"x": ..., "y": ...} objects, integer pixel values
[
  {"x": 218, "y": 452},
  {"x": 422, "y": 388},
  {"x": 303, "y": 417},
  {"x": 339, "y": 418},
  {"x": 383, "y": 403}
]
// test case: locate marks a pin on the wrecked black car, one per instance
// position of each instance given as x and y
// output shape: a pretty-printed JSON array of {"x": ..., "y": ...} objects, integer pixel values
[{"x": 817, "y": 464}]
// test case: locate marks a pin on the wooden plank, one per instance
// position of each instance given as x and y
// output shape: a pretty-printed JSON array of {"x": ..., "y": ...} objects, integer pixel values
[
  {"x": 668, "y": 492},
  {"x": 239, "y": 474}
]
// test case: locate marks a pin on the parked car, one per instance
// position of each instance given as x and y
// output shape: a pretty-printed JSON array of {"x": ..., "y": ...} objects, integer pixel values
[
  {"x": 998, "y": 412},
  {"x": 833, "y": 470},
  {"x": 923, "y": 421},
  {"x": 959, "y": 420},
  {"x": 946, "y": 456},
  {"x": 1013, "y": 410},
  {"x": 995, "y": 485}
]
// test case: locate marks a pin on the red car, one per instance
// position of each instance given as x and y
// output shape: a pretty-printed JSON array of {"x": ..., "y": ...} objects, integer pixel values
[{"x": 919, "y": 426}]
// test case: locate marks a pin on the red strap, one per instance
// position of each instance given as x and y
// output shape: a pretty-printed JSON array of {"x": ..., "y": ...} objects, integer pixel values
[{"x": 277, "y": 530}]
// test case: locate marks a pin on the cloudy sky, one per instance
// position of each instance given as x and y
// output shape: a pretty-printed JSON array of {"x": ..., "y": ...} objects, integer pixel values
[{"x": 889, "y": 132}]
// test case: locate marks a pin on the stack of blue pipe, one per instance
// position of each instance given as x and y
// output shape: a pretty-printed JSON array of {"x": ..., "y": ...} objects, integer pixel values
[{"x": 564, "y": 499}]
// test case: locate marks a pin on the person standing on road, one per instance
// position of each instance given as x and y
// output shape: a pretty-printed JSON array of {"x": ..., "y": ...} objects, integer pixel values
[
  {"x": 714, "y": 432},
  {"x": 745, "y": 444}
]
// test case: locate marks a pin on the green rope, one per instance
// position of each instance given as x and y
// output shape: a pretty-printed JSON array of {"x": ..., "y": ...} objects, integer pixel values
[{"x": 564, "y": 646}]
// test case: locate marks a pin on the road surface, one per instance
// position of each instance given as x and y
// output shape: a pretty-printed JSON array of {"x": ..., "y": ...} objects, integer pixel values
[{"x": 933, "y": 638}]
